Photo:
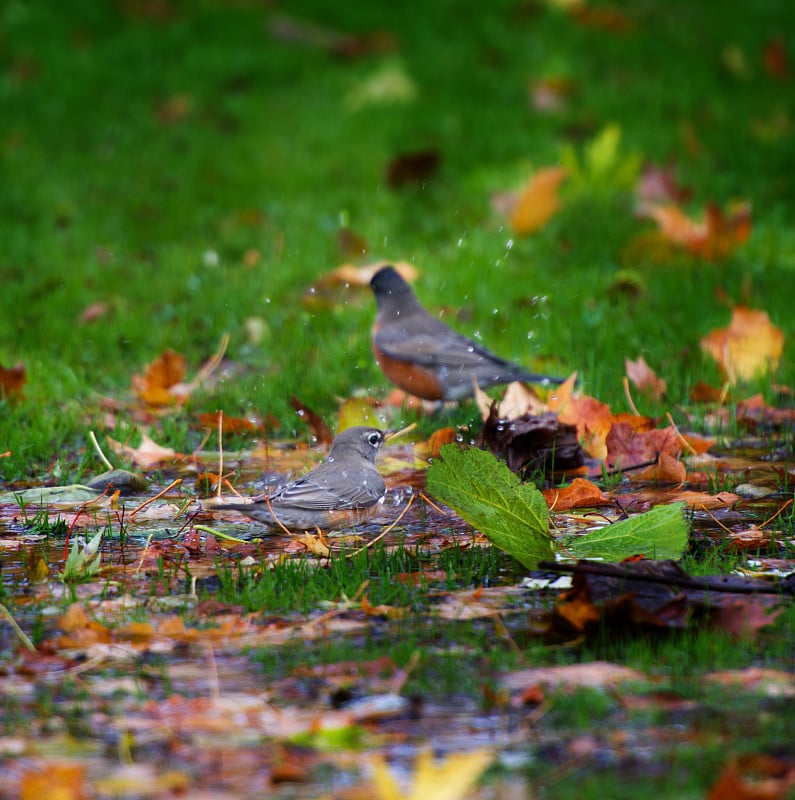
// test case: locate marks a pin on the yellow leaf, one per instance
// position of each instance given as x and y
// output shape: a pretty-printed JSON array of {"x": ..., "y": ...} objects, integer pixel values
[
  {"x": 749, "y": 346},
  {"x": 538, "y": 201},
  {"x": 449, "y": 779}
]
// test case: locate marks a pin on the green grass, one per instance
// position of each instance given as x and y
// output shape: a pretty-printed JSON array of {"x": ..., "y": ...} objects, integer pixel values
[{"x": 103, "y": 201}]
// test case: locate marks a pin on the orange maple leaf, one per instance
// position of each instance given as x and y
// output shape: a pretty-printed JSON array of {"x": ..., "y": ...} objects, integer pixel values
[
  {"x": 749, "y": 346},
  {"x": 715, "y": 236},
  {"x": 161, "y": 375},
  {"x": 592, "y": 418},
  {"x": 538, "y": 201},
  {"x": 581, "y": 494}
]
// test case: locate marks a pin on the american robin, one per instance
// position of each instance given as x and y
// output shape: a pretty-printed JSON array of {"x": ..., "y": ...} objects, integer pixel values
[
  {"x": 426, "y": 358},
  {"x": 344, "y": 489}
]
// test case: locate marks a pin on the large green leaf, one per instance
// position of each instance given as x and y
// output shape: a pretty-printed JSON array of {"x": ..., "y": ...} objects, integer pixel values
[
  {"x": 513, "y": 515},
  {"x": 659, "y": 533}
]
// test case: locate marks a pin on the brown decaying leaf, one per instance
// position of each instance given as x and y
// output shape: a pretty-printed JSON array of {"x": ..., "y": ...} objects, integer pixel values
[
  {"x": 12, "y": 379},
  {"x": 315, "y": 422},
  {"x": 644, "y": 377},
  {"x": 749, "y": 346},
  {"x": 604, "y": 18},
  {"x": 148, "y": 454},
  {"x": 754, "y": 777},
  {"x": 440, "y": 437},
  {"x": 776, "y": 59},
  {"x": 592, "y": 418},
  {"x": 538, "y": 201},
  {"x": 350, "y": 244},
  {"x": 237, "y": 425}
]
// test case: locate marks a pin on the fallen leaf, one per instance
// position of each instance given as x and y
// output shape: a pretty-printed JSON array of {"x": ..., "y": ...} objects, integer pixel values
[
  {"x": 658, "y": 534},
  {"x": 592, "y": 674},
  {"x": 165, "y": 372},
  {"x": 147, "y": 454},
  {"x": 592, "y": 418},
  {"x": 751, "y": 345},
  {"x": 754, "y": 777},
  {"x": 703, "y": 500},
  {"x": 580, "y": 494},
  {"x": 538, "y": 201},
  {"x": 642, "y": 375},
  {"x": 12, "y": 379},
  {"x": 491, "y": 498},
  {"x": 55, "y": 781},
  {"x": 713, "y": 237},
  {"x": 450, "y": 779},
  {"x": 668, "y": 469}
]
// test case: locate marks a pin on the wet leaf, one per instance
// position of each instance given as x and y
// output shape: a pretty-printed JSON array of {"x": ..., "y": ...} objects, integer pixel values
[
  {"x": 659, "y": 533},
  {"x": 489, "y": 496},
  {"x": 74, "y": 493},
  {"x": 750, "y": 346},
  {"x": 449, "y": 779},
  {"x": 148, "y": 454},
  {"x": 580, "y": 494}
]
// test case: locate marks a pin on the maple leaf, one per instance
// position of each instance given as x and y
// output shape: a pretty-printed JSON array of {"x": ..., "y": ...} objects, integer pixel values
[
  {"x": 749, "y": 346},
  {"x": 713, "y": 237},
  {"x": 161, "y": 375},
  {"x": 538, "y": 201},
  {"x": 592, "y": 418},
  {"x": 644, "y": 377},
  {"x": 602, "y": 166},
  {"x": 450, "y": 779}
]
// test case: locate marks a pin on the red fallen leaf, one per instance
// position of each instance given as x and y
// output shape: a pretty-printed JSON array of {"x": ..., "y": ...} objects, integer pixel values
[
  {"x": 416, "y": 167},
  {"x": 644, "y": 377},
  {"x": 580, "y": 494},
  {"x": 315, "y": 422},
  {"x": 714, "y": 237},
  {"x": 627, "y": 447},
  {"x": 704, "y": 393},
  {"x": 749, "y": 346},
  {"x": 12, "y": 379},
  {"x": 754, "y": 777},
  {"x": 592, "y": 418},
  {"x": 667, "y": 470}
]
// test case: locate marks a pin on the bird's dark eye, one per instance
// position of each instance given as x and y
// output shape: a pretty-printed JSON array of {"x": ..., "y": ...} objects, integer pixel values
[{"x": 374, "y": 439}]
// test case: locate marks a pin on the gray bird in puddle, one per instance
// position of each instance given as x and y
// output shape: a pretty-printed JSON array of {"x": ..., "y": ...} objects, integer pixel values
[{"x": 342, "y": 491}]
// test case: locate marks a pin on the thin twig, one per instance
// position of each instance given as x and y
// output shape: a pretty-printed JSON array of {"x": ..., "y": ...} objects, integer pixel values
[
  {"x": 678, "y": 434},
  {"x": 143, "y": 555},
  {"x": 627, "y": 394},
  {"x": 100, "y": 454},
  {"x": 171, "y": 485},
  {"x": 220, "y": 451}
]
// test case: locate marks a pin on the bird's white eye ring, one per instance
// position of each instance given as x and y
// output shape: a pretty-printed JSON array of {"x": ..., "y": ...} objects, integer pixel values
[{"x": 374, "y": 439}]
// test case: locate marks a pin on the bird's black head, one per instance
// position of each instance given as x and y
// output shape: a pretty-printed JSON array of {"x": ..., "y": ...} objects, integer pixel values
[{"x": 388, "y": 281}]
